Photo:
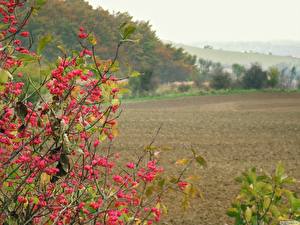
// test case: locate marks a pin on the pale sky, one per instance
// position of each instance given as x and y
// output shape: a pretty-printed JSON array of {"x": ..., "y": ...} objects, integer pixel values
[{"x": 191, "y": 21}]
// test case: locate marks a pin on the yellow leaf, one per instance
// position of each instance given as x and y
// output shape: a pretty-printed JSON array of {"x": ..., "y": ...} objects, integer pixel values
[
  {"x": 5, "y": 76},
  {"x": 182, "y": 162},
  {"x": 17, "y": 140},
  {"x": 45, "y": 179},
  {"x": 115, "y": 102},
  {"x": 165, "y": 209},
  {"x": 137, "y": 221},
  {"x": 157, "y": 205},
  {"x": 92, "y": 39},
  {"x": 26, "y": 204},
  {"x": 91, "y": 119},
  {"x": 75, "y": 91},
  {"x": 135, "y": 74},
  {"x": 102, "y": 137},
  {"x": 115, "y": 131},
  {"x": 193, "y": 178}
]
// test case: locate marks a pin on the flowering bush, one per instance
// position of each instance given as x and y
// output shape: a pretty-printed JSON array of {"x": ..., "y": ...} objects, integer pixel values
[{"x": 54, "y": 167}]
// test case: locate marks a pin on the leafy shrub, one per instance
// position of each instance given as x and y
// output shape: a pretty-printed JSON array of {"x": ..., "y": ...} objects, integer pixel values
[
  {"x": 221, "y": 80},
  {"x": 255, "y": 77},
  {"x": 273, "y": 77},
  {"x": 184, "y": 88},
  {"x": 203, "y": 75},
  {"x": 212, "y": 73},
  {"x": 238, "y": 70},
  {"x": 265, "y": 199}
]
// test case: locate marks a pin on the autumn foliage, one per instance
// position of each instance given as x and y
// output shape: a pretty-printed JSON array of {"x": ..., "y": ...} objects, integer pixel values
[{"x": 57, "y": 165}]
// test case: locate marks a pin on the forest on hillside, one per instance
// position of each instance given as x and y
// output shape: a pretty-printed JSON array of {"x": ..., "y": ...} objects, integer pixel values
[{"x": 62, "y": 19}]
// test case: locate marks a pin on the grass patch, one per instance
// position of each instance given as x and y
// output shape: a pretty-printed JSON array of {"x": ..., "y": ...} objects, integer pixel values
[{"x": 197, "y": 92}]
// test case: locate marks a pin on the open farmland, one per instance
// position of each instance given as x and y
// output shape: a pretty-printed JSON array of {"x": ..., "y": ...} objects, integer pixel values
[{"x": 231, "y": 132}]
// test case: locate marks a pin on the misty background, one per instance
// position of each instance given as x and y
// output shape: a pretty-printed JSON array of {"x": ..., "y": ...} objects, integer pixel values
[{"x": 264, "y": 26}]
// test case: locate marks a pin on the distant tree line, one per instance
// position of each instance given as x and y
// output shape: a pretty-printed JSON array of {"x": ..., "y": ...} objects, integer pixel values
[
  {"x": 157, "y": 62},
  {"x": 217, "y": 76}
]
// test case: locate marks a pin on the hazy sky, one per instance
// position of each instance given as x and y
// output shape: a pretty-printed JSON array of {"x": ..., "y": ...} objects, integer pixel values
[{"x": 214, "y": 20}]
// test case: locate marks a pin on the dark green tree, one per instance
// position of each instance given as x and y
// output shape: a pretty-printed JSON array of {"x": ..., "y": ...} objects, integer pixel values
[
  {"x": 220, "y": 79},
  {"x": 255, "y": 77}
]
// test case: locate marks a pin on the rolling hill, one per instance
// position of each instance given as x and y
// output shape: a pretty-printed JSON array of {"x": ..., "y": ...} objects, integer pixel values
[
  {"x": 245, "y": 58},
  {"x": 276, "y": 47}
]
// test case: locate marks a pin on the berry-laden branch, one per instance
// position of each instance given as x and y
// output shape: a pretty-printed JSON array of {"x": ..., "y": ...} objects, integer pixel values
[{"x": 55, "y": 167}]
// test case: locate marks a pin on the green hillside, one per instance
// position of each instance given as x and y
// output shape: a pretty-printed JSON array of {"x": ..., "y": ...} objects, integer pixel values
[{"x": 231, "y": 57}]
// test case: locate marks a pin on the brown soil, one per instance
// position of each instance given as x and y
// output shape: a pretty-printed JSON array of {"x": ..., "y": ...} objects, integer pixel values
[{"x": 232, "y": 133}]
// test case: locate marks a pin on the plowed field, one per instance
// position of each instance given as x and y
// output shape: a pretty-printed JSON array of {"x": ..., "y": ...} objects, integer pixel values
[{"x": 232, "y": 133}]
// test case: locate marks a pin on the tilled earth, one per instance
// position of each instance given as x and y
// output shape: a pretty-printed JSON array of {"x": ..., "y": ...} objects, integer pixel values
[{"x": 232, "y": 133}]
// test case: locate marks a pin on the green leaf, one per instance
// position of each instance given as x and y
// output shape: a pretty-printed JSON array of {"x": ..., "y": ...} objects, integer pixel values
[
  {"x": 289, "y": 180},
  {"x": 149, "y": 191},
  {"x": 80, "y": 151},
  {"x": 43, "y": 42},
  {"x": 125, "y": 217},
  {"x": 115, "y": 67},
  {"x": 62, "y": 49},
  {"x": 135, "y": 74},
  {"x": 4, "y": 26},
  {"x": 45, "y": 72},
  {"x": 27, "y": 58},
  {"x": 35, "y": 200},
  {"x": 102, "y": 137},
  {"x": 274, "y": 210},
  {"x": 173, "y": 180},
  {"x": 263, "y": 178},
  {"x": 194, "y": 152},
  {"x": 5, "y": 75},
  {"x": 201, "y": 161},
  {"x": 126, "y": 30},
  {"x": 267, "y": 202},
  {"x": 40, "y": 3},
  {"x": 248, "y": 214},
  {"x": 161, "y": 183},
  {"x": 91, "y": 210},
  {"x": 232, "y": 212},
  {"x": 3, "y": 79},
  {"x": 295, "y": 202},
  {"x": 65, "y": 163},
  {"x": 279, "y": 170}
]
